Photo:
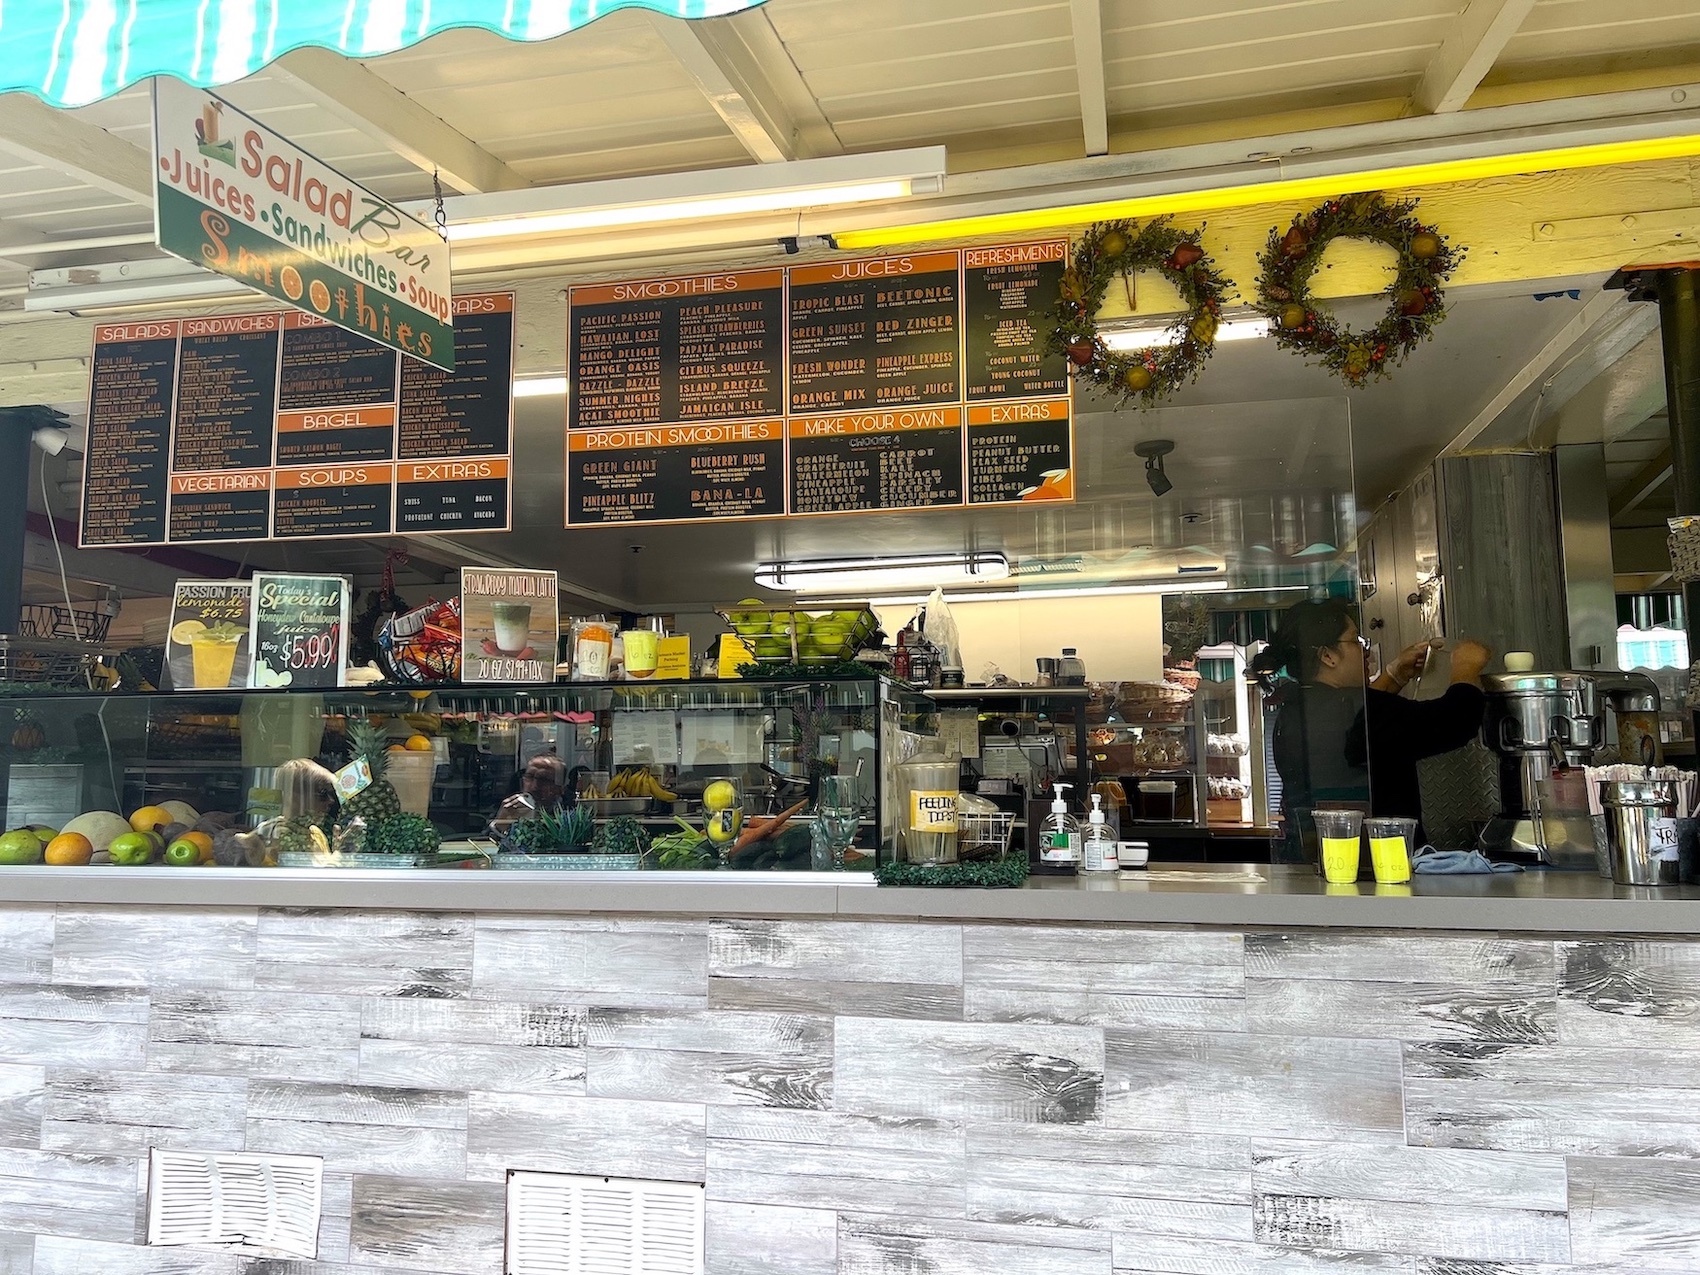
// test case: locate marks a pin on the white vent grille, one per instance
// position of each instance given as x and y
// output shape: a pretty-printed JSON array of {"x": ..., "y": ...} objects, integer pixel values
[
  {"x": 264, "y": 1205},
  {"x": 564, "y": 1224}
]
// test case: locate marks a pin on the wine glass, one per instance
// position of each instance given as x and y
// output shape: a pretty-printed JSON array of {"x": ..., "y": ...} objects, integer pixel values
[{"x": 837, "y": 817}]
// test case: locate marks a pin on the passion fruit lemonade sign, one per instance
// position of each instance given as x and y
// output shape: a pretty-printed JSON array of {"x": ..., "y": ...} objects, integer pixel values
[
  {"x": 207, "y": 646},
  {"x": 235, "y": 197},
  {"x": 300, "y": 630},
  {"x": 510, "y": 625}
]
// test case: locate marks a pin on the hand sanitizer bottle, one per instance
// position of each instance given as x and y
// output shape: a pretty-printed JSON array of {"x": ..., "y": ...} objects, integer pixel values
[
  {"x": 1098, "y": 850},
  {"x": 1059, "y": 837}
]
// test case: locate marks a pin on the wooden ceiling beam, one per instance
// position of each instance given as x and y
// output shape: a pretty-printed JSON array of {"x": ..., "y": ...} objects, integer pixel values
[
  {"x": 743, "y": 69},
  {"x": 1648, "y": 479},
  {"x": 1087, "y": 18},
  {"x": 61, "y": 142},
  {"x": 1479, "y": 35},
  {"x": 383, "y": 112}
]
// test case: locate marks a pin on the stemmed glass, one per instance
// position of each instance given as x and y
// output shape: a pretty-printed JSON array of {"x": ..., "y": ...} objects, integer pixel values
[{"x": 837, "y": 816}]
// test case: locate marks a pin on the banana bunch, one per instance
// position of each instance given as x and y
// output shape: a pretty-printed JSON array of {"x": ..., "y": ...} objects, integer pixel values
[
  {"x": 423, "y": 723},
  {"x": 634, "y": 782}
]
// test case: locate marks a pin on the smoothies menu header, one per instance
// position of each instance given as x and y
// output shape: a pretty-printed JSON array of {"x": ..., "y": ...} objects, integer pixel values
[
  {"x": 282, "y": 426},
  {"x": 917, "y": 381}
]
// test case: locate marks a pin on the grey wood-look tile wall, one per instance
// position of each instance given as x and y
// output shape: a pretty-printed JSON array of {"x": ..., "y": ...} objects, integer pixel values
[{"x": 864, "y": 1098}]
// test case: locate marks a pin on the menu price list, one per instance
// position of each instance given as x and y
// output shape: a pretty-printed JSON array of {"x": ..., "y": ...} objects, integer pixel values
[
  {"x": 226, "y": 393},
  {"x": 877, "y": 333},
  {"x": 1008, "y": 294},
  {"x": 266, "y": 406},
  {"x": 125, "y": 467},
  {"x": 461, "y": 495},
  {"x": 1019, "y": 452},
  {"x": 694, "y": 348},
  {"x": 676, "y": 473},
  {"x": 876, "y": 460}
]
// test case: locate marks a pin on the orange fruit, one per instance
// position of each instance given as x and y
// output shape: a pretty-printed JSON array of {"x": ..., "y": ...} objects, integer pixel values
[
  {"x": 68, "y": 849},
  {"x": 418, "y": 744},
  {"x": 148, "y": 818},
  {"x": 203, "y": 841}
]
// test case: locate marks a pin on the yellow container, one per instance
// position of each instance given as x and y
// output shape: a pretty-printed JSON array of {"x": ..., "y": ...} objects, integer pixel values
[
  {"x": 1340, "y": 860},
  {"x": 1390, "y": 848}
]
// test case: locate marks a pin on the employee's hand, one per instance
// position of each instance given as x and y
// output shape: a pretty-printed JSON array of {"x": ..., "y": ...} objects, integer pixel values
[
  {"x": 1409, "y": 662},
  {"x": 1469, "y": 658}
]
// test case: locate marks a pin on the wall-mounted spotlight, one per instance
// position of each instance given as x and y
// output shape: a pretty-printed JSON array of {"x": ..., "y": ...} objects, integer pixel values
[{"x": 1154, "y": 451}]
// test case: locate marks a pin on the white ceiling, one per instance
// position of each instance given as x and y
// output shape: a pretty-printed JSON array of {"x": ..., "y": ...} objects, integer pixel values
[{"x": 1000, "y": 83}]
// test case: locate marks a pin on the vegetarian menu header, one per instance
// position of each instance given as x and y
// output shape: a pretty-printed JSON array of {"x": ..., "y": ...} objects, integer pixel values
[
  {"x": 913, "y": 381},
  {"x": 283, "y": 426}
]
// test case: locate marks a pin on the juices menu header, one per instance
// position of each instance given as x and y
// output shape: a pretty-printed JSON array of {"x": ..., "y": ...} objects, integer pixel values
[{"x": 915, "y": 381}]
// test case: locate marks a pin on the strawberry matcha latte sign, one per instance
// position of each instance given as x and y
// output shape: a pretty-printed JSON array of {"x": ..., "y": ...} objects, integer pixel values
[
  {"x": 510, "y": 625},
  {"x": 233, "y": 196}
]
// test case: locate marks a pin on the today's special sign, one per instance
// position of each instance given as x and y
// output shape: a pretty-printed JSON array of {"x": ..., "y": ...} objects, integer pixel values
[{"x": 238, "y": 199}]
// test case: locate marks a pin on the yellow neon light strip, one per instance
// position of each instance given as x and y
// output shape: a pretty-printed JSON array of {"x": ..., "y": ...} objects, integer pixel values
[{"x": 1298, "y": 188}]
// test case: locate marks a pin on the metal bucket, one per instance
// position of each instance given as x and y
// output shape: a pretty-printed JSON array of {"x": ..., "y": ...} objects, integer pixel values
[{"x": 1641, "y": 836}]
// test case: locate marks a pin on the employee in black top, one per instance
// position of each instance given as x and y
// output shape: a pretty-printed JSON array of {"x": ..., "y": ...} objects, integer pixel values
[{"x": 1340, "y": 738}]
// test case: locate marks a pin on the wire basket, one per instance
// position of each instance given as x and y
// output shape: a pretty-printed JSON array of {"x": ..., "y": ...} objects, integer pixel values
[
  {"x": 983, "y": 836},
  {"x": 47, "y": 661},
  {"x": 50, "y": 620},
  {"x": 1684, "y": 547}
]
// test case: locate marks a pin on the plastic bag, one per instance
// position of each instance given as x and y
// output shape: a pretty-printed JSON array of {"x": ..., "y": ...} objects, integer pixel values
[{"x": 941, "y": 631}]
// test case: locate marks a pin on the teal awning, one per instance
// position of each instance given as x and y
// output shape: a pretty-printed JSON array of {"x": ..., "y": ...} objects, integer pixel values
[{"x": 72, "y": 52}]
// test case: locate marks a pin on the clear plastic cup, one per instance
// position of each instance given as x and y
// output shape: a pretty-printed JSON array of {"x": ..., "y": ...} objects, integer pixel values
[
  {"x": 1339, "y": 831},
  {"x": 1390, "y": 848}
]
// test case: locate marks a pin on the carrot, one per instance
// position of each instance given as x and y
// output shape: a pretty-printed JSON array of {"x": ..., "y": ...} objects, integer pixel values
[{"x": 767, "y": 829}]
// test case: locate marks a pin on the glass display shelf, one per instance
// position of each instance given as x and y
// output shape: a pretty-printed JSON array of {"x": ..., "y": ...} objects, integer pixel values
[{"x": 256, "y": 773}]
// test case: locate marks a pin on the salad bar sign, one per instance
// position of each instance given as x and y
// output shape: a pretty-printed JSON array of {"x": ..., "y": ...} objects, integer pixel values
[
  {"x": 918, "y": 381},
  {"x": 300, "y": 630},
  {"x": 284, "y": 426}
]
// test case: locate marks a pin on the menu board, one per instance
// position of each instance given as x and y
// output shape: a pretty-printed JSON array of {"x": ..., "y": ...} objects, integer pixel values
[
  {"x": 299, "y": 636},
  {"x": 283, "y": 426},
  {"x": 833, "y": 387}
]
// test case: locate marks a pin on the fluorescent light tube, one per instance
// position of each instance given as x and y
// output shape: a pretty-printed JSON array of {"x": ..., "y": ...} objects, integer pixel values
[
  {"x": 540, "y": 386},
  {"x": 840, "y": 574},
  {"x": 741, "y": 191},
  {"x": 1147, "y": 338},
  {"x": 1034, "y": 595}
]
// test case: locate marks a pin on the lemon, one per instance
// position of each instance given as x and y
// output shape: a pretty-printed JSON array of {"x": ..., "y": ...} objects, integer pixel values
[
  {"x": 724, "y": 825},
  {"x": 719, "y": 795},
  {"x": 186, "y": 631}
]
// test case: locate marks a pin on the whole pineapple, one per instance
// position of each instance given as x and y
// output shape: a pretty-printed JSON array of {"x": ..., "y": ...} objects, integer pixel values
[
  {"x": 298, "y": 834},
  {"x": 377, "y": 801}
]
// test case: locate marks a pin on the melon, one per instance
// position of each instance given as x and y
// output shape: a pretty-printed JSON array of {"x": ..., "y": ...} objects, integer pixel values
[
  {"x": 99, "y": 826},
  {"x": 181, "y": 812}
]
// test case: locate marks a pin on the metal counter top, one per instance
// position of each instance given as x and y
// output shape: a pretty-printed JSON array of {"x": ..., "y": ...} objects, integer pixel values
[{"x": 1243, "y": 895}]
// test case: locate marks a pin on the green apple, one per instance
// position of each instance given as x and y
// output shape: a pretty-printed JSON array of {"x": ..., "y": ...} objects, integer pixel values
[
  {"x": 19, "y": 846},
  {"x": 183, "y": 854},
  {"x": 132, "y": 849}
]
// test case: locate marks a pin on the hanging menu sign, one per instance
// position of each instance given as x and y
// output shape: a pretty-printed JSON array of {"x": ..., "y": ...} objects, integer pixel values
[
  {"x": 284, "y": 426},
  {"x": 300, "y": 630},
  {"x": 833, "y": 387},
  {"x": 1008, "y": 293}
]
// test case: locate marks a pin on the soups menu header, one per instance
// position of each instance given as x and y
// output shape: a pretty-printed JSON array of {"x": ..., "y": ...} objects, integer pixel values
[
  {"x": 282, "y": 426},
  {"x": 915, "y": 381}
]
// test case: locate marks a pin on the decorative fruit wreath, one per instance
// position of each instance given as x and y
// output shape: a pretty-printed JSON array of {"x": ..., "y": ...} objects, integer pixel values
[
  {"x": 1113, "y": 249},
  {"x": 1416, "y": 303}
]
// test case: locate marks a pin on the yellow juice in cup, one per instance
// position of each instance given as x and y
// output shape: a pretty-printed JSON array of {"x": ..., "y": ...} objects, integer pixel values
[
  {"x": 1340, "y": 859},
  {"x": 214, "y": 658},
  {"x": 643, "y": 649},
  {"x": 1392, "y": 863}
]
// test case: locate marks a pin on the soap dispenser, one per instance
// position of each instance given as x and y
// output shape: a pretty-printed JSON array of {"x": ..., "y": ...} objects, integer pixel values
[
  {"x": 1059, "y": 837},
  {"x": 1098, "y": 850}
]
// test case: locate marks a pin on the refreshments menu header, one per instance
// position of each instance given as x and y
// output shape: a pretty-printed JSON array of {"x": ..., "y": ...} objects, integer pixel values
[
  {"x": 917, "y": 381},
  {"x": 281, "y": 426}
]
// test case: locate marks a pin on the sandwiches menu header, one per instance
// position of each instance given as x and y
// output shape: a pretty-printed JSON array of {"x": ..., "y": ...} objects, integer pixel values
[{"x": 916, "y": 381}]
